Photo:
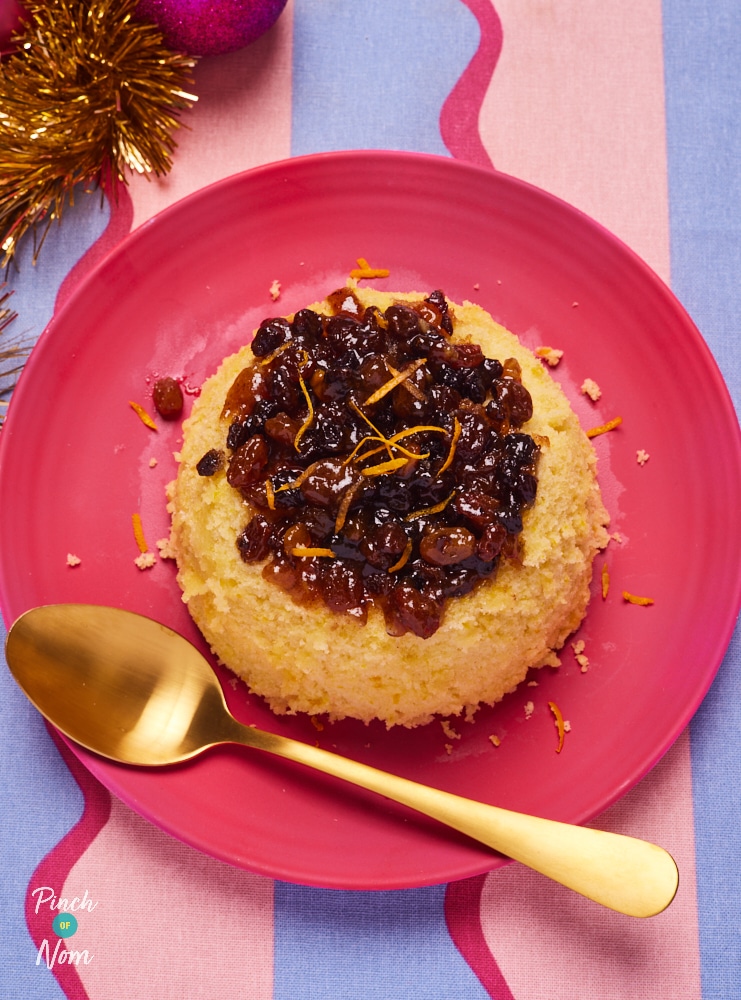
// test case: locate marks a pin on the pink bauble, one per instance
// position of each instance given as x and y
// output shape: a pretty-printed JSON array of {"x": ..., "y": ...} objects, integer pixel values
[
  {"x": 210, "y": 27},
  {"x": 11, "y": 15}
]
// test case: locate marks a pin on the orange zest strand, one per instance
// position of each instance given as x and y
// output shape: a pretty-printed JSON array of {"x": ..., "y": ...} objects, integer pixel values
[
  {"x": 418, "y": 429},
  {"x": 310, "y": 416},
  {"x": 453, "y": 443},
  {"x": 635, "y": 599},
  {"x": 560, "y": 725},
  {"x": 299, "y": 481},
  {"x": 604, "y": 428},
  {"x": 382, "y": 468},
  {"x": 366, "y": 440},
  {"x": 347, "y": 498},
  {"x": 403, "y": 559},
  {"x": 307, "y": 552},
  {"x": 430, "y": 510},
  {"x": 270, "y": 494},
  {"x": 605, "y": 582},
  {"x": 364, "y": 270},
  {"x": 136, "y": 524},
  {"x": 276, "y": 353},
  {"x": 143, "y": 415},
  {"x": 409, "y": 386},
  {"x": 381, "y": 437},
  {"x": 393, "y": 442},
  {"x": 392, "y": 383}
]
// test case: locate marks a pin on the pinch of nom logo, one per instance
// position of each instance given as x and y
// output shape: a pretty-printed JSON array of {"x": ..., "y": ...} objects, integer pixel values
[{"x": 64, "y": 925}]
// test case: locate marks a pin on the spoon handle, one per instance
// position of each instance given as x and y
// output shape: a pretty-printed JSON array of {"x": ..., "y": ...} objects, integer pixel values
[{"x": 622, "y": 873}]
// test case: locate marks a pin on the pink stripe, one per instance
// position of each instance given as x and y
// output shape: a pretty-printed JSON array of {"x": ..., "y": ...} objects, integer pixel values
[
  {"x": 577, "y": 107},
  {"x": 459, "y": 117},
  {"x": 463, "y": 917},
  {"x": 548, "y": 941},
  {"x": 169, "y": 922},
  {"x": 242, "y": 119},
  {"x": 56, "y": 866}
]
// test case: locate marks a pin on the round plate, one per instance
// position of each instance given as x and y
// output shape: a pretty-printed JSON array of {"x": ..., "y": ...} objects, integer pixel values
[{"x": 188, "y": 288}]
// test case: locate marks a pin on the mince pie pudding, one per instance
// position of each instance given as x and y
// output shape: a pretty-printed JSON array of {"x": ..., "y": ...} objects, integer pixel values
[{"x": 385, "y": 508}]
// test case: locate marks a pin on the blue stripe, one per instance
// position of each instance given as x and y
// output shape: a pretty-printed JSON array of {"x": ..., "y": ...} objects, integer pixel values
[
  {"x": 40, "y": 799},
  {"x": 702, "y": 54},
  {"x": 367, "y": 946},
  {"x": 375, "y": 76},
  {"x": 35, "y": 287},
  {"x": 41, "y": 803},
  {"x": 372, "y": 77}
]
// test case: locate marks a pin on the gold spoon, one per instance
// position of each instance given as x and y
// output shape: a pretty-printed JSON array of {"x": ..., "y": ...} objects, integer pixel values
[{"x": 132, "y": 690}]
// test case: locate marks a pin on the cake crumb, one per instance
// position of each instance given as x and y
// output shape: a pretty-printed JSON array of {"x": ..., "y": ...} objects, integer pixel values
[
  {"x": 449, "y": 731},
  {"x": 580, "y": 656},
  {"x": 145, "y": 560},
  {"x": 448, "y": 748},
  {"x": 642, "y": 456},
  {"x": 551, "y": 355},
  {"x": 152, "y": 462},
  {"x": 590, "y": 388},
  {"x": 529, "y": 709},
  {"x": 233, "y": 682},
  {"x": 495, "y": 741},
  {"x": 275, "y": 290},
  {"x": 73, "y": 560},
  {"x": 532, "y": 684},
  {"x": 566, "y": 726},
  {"x": 476, "y": 287},
  {"x": 164, "y": 549},
  {"x": 617, "y": 537}
]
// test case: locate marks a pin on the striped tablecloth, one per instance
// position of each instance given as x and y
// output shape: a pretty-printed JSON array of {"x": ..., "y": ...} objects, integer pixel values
[{"x": 630, "y": 111}]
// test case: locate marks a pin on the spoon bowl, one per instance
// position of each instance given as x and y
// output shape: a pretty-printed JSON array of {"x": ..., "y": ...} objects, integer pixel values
[{"x": 130, "y": 689}]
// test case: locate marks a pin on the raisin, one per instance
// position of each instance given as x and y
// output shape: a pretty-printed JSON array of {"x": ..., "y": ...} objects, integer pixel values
[
  {"x": 168, "y": 398},
  {"x": 414, "y": 611},
  {"x": 254, "y": 542},
  {"x": 342, "y": 587},
  {"x": 248, "y": 462},
  {"x": 211, "y": 463},
  {"x": 270, "y": 335},
  {"x": 446, "y": 546}
]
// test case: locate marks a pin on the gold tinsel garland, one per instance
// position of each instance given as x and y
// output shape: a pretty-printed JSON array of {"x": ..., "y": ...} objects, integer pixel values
[
  {"x": 13, "y": 353},
  {"x": 89, "y": 94}
]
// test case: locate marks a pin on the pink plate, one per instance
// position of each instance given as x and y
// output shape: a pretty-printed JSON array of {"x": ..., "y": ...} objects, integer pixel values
[{"x": 188, "y": 288}]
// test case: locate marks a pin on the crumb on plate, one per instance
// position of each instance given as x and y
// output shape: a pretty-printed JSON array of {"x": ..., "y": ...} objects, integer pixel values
[
  {"x": 551, "y": 355},
  {"x": 449, "y": 731},
  {"x": 590, "y": 388}
]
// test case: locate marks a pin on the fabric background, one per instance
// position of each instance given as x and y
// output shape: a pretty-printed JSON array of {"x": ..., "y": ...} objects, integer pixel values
[{"x": 632, "y": 113}]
